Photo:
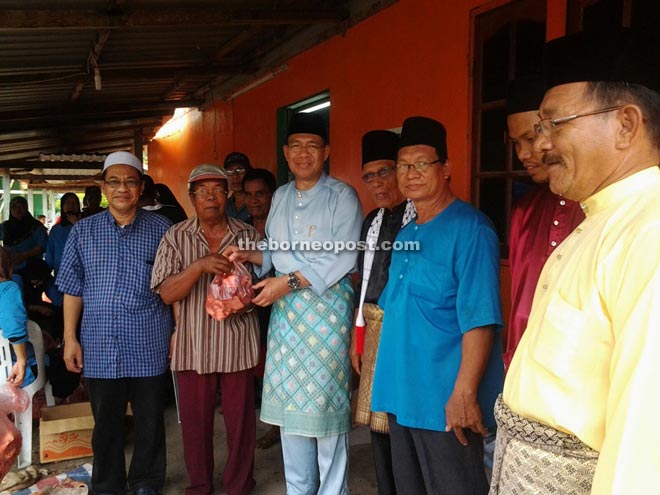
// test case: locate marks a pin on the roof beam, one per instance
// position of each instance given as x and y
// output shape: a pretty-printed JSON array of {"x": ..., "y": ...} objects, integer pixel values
[
  {"x": 222, "y": 52},
  {"x": 31, "y": 164},
  {"x": 112, "y": 125},
  {"x": 39, "y": 178},
  {"x": 125, "y": 73},
  {"x": 92, "y": 61},
  {"x": 72, "y": 19},
  {"x": 93, "y": 112}
]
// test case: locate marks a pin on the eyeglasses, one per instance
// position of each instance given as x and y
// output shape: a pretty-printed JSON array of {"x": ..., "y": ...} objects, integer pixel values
[
  {"x": 130, "y": 183},
  {"x": 404, "y": 168},
  {"x": 382, "y": 173},
  {"x": 204, "y": 193},
  {"x": 311, "y": 148},
  {"x": 547, "y": 126},
  {"x": 235, "y": 171}
]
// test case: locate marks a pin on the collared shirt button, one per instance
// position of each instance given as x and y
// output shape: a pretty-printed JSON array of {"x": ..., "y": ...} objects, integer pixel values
[
  {"x": 556, "y": 222},
  {"x": 299, "y": 204},
  {"x": 553, "y": 243},
  {"x": 545, "y": 286},
  {"x": 296, "y": 217},
  {"x": 299, "y": 194},
  {"x": 295, "y": 231},
  {"x": 562, "y": 202},
  {"x": 401, "y": 276},
  {"x": 405, "y": 260},
  {"x": 416, "y": 227},
  {"x": 559, "y": 256}
]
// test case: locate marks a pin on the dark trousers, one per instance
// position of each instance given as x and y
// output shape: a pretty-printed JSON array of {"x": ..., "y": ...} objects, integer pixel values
[
  {"x": 109, "y": 398},
  {"x": 197, "y": 405},
  {"x": 435, "y": 463},
  {"x": 382, "y": 451}
]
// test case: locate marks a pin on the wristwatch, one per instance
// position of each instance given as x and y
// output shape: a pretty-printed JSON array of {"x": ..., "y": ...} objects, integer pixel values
[{"x": 293, "y": 281}]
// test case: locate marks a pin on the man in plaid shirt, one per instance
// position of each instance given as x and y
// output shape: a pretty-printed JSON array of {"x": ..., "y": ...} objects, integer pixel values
[{"x": 125, "y": 331}]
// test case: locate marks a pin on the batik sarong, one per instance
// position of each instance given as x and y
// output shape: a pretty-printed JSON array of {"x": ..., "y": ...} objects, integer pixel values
[
  {"x": 308, "y": 370},
  {"x": 377, "y": 421},
  {"x": 532, "y": 458}
]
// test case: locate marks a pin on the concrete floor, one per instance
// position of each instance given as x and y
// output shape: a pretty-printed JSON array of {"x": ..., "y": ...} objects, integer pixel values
[{"x": 269, "y": 471}]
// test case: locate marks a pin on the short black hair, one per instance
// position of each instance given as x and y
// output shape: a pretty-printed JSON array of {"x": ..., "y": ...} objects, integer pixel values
[
  {"x": 613, "y": 93},
  {"x": 93, "y": 191},
  {"x": 149, "y": 187},
  {"x": 261, "y": 174}
]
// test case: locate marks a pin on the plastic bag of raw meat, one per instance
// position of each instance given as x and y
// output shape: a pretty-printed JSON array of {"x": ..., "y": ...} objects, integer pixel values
[
  {"x": 12, "y": 400},
  {"x": 230, "y": 293}
]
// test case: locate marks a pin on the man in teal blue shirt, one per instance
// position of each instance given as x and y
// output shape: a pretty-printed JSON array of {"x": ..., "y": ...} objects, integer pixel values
[{"x": 439, "y": 369}]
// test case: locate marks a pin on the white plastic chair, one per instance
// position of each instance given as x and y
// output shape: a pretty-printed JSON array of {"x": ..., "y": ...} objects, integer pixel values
[{"x": 24, "y": 419}]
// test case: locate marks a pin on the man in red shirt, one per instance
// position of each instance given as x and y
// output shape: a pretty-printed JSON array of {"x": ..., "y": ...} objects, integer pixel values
[{"x": 540, "y": 220}]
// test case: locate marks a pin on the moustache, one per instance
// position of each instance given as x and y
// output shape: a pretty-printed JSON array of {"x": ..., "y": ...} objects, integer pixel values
[{"x": 550, "y": 159}]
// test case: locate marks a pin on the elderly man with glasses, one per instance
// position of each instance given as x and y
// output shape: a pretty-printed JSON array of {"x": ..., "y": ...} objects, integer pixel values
[
  {"x": 438, "y": 369},
  {"x": 580, "y": 401},
  {"x": 125, "y": 331},
  {"x": 236, "y": 165},
  {"x": 379, "y": 228},
  {"x": 209, "y": 353}
]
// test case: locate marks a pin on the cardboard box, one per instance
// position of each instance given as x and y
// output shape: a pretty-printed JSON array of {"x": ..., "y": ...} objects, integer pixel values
[{"x": 65, "y": 432}]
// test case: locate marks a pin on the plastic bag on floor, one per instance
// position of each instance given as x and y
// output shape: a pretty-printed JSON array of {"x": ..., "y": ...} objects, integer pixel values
[{"x": 12, "y": 399}]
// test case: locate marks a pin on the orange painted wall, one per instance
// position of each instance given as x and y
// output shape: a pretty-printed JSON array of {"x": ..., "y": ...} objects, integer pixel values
[
  {"x": 409, "y": 59},
  {"x": 205, "y": 137}
]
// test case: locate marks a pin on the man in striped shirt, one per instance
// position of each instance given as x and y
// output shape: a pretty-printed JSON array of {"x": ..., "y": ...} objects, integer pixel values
[{"x": 208, "y": 353}]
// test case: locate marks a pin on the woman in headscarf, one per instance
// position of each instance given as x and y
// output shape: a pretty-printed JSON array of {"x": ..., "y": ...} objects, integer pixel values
[
  {"x": 69, "y": 216},
  {"x": 23, "y": 235}
]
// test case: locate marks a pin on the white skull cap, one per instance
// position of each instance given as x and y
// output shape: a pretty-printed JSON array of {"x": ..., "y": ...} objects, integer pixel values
[{"x": 123, "y": 158}]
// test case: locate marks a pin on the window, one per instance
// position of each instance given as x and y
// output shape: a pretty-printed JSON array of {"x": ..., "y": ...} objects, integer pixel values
[{"x": 508, "y": 42}]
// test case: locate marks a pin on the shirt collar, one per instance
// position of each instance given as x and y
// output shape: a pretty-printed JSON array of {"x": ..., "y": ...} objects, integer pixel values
[
  {"x": 111, "y": 220},
  {"x": 315, "y": 188},
  {"x": 233, "y": 226},
  {"x": 622, "y": 190}
]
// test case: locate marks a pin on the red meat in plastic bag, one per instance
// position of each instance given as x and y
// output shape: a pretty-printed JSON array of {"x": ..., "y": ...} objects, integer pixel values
[
  {"x": 230, "y": 293},
  {"x": 12, "y": 399}
]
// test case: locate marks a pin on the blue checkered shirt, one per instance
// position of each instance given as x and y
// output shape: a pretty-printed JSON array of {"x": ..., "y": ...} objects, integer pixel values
[{"x": 125, "y": 327}]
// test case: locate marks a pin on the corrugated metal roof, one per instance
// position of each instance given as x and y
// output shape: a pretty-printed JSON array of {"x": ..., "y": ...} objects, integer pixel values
[{"x": 148, "y": 56}]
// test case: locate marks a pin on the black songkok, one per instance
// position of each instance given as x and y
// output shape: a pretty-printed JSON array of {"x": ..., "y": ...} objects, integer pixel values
[
  {"x": 307, "y": 123},
  {"x": 423, "y": 130},
  {"x": 620, "y": 56},
  {"x": 379, "y": 145},
  {"x": 524, "y": 95}
]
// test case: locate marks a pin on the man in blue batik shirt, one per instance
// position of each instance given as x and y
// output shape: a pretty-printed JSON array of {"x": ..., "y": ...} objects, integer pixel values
[
  {"x": 308, "y": 370},
  {"x": 106, "y": 267}
]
